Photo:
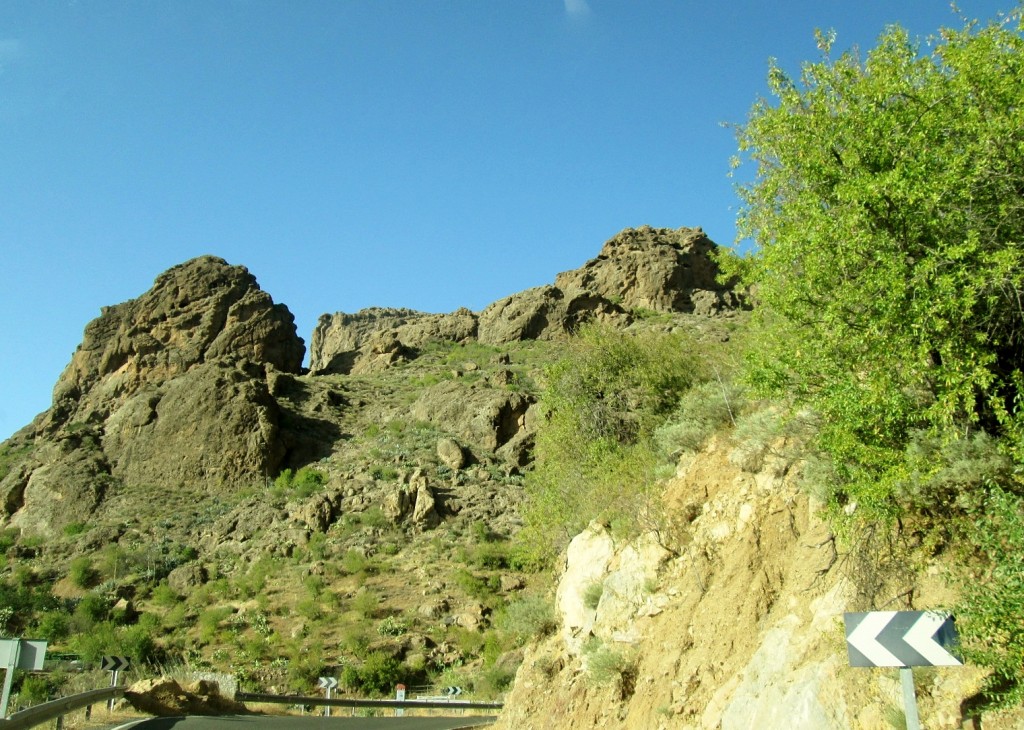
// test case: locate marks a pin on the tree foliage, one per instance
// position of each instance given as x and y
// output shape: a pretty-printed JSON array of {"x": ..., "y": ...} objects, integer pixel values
[
  {"x": 888, "y": 212},
  {"x": 888, "y": 207}
]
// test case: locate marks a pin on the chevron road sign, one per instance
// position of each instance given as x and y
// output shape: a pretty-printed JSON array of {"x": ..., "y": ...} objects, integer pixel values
[
  {"x": 901, "y": 639},
  {"x": 327, "y": 684},
  {"x": 453, "y": 691},
  {"x": 115, "y": 663}
]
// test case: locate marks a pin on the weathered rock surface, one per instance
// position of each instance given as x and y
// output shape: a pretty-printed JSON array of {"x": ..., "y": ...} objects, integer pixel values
[
  {"x": 164, "y": 697},
  {"x": 661, "y": 269},
  {"x": 658, "y": 269},
  {"x": 196, "y": 312},
  {"x": 486, "y": 417},
  {"x": 729, "y": 619},
  {"x": 166, "y": 389},
  {"x": 343, "y": 343}
]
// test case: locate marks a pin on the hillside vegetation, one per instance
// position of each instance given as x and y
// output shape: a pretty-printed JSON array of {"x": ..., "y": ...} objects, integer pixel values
[
  {"x": 194, "y": 500},
  {"x": 400, "y": 513}
]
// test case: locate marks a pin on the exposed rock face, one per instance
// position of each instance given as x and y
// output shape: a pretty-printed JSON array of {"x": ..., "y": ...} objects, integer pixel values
[
  {"x": 486, "y": 417},
  {"x": 737, "y": 625},
  {"x": 218, "y": 419},
  {"x": 341, "y": 341},
  {"x": 660, "y": 269},
  {"x": 167, "y": 389},
  {"x": 196, "y": 312},
  {"x": 654, "y": 268}
]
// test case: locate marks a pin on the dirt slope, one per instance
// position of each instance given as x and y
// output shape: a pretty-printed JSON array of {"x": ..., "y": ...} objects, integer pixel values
[{"x": 731, "y": 618}]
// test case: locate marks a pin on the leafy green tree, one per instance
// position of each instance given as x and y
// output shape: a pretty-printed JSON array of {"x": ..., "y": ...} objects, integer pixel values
[{"x": 888, "y": 213}]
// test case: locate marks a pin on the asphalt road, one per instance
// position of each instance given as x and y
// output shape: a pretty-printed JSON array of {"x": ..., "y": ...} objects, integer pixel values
[{"x": 309, "y": 722}]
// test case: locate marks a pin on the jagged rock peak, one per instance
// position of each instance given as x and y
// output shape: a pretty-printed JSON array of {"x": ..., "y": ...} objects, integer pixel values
[
  {"x": 663, "y": 269},
  {"x": 660, "y": 269},
  {"x": 202, "y": 310}
]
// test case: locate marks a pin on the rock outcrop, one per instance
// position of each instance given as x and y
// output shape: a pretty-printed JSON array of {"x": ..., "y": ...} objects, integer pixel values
[
  {"x": 657, "y": 269},
  {"x": 729, "y": 617},
  {"x": 344, "y": 342},
  {"x": 195, "y": 313},
  {"x": 167, "y": 389}
]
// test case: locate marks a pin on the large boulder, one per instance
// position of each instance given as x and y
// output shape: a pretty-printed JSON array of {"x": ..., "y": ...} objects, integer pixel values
[
  {"x": 487, "y": 418},
  {"x": 164, "y": 697}
]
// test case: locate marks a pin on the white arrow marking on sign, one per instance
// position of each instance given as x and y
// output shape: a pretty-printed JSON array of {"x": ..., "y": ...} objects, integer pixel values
[
  {"x": 920, "y": 638},
  {"x": 863, "y": 638}
]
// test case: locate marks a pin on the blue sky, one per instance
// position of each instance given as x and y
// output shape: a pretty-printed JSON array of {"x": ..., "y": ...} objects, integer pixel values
[{"x": 429, "y": 154}]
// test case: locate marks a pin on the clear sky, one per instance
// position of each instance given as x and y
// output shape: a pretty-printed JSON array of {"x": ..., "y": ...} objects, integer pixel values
[{"x": 429, "y": 154}]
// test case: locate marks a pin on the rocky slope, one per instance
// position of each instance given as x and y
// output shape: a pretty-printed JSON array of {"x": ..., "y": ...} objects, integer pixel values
[
  {"x": 163, "y": 469},
  {"x": 730, "y": 616}
]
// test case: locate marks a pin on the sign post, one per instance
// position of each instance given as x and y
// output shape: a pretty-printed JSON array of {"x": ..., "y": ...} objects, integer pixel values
[
  {"x": 115, "y": 665},
  {"x": 327, "y": 684},
  {"x": 18, "y": 654},
  {"x": 400, "y": 696},
  {"x": 903, "y": 639}
]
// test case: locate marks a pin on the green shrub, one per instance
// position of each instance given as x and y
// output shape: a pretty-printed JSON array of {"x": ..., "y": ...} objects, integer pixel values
[
  {"x": 366, "y": 603},
  {"x": 392, "y": 626},
  {"x": 354, "y": 562},
  {"x": 702, "y": 410},
  {"x": 36, "y": 689},
  {"x": 374, "y": 517},
  {"x": 527, "y": 618},
  {"x": 989, "y": 614},
  {"x": 595, "y": 455},
  {"x": 592, "y": 594},
  {"x": 165, "y": 596},
  {"x": 91, "y": 609},
  {"x": 75, "y": 528},
  {"x": 604, "y": 664},
  {"x": 210, "y": 621},
  {"x": 384, "y": 473},
  {"x": 82, "y": 572},
  {"x": 54, "y": 626},
  {"x": 378, "y": 675},
  {"x": 479, "y": 587}
]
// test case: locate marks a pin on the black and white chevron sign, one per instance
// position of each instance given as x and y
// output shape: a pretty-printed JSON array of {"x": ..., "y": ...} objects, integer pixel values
[
  {"x": 328, "y": 682},
  {"x": 115, "y": 663},
  {"x": 901, "y": 639},
  {"x": 453, "y": 691}
]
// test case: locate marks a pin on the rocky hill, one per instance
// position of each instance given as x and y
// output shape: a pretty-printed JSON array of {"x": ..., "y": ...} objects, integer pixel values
[
  {"x": 216, "y": 498},
  {"x": 195, "y": 497}
]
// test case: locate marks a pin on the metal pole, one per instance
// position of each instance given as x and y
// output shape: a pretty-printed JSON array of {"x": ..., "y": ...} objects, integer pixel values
[
  {"x": 909, "y": 698},
  {"x": 113, "y": 683},
  {"x": 12, "y": 662},
  {"x": 327, "y": 710}
]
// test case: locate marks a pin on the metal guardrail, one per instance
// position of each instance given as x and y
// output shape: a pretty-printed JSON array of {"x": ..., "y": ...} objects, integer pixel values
[
  {"x": 53, "y": 709},
  {"x": 396, "y": 704}
]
